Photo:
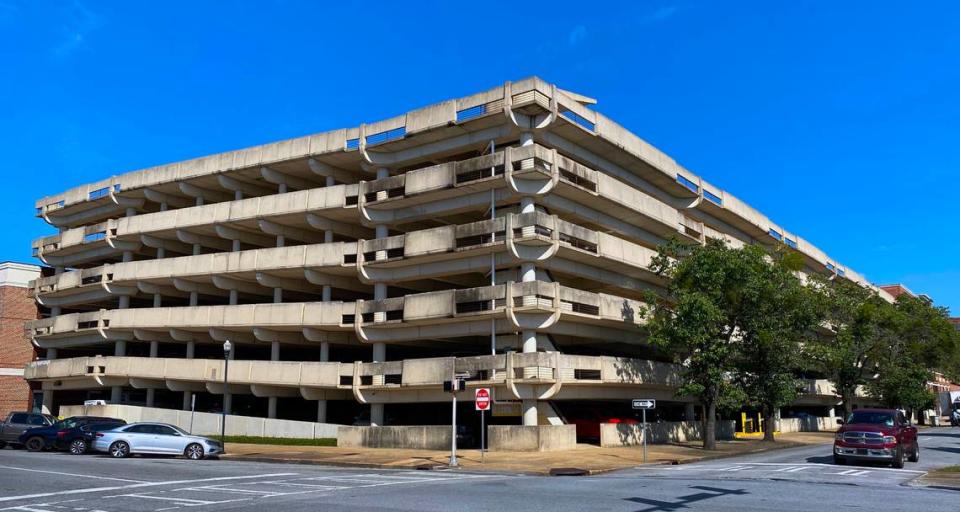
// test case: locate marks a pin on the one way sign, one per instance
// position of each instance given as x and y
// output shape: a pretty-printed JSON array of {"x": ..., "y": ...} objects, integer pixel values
[{"x": 644, "y": 403}]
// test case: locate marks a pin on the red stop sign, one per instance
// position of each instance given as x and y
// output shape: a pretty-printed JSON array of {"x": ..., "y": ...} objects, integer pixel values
[{"x": 481, "y": 399}]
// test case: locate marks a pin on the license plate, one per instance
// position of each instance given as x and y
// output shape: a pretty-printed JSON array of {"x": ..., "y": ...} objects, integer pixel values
[{"x": 861, "y": 451}]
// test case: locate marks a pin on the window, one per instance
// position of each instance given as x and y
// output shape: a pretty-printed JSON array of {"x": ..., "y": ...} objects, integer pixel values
[
  {"x": 713, "y": 198},
  {"x": 841, "y": 272},
  {"x": 790, "y": 243},
  {"x": 139, "y": 429},
  {"x": 470, "y": 113},
  {"x": 164, "y": 430},
  {"x": 686, "y": 182},
  {"x": 830, "y": 267},
  {"x": 353, "y": 143},
  {"x": 20, "y": 418},
  {"x": 775, "y": 234},
  {"x": 36, "y": 419},
  {"x": 388, "y": 135},
  {"x": 578, "y": 119}
]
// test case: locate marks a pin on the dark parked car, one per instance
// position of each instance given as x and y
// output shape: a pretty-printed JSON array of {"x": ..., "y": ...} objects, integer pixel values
[
  {"x": 17, "y": 422},
  {"x": 62, "y": 434},
  {"x": 883, "y": 435}
]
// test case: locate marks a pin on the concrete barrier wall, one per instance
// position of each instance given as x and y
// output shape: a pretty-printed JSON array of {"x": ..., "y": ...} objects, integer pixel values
[
  {"x": 809, "y": 424},
  {"x": 622, "y": 434},
  {"x": 208, "y": 424},
  {"x": 541, "y": 438},
  {"x": 417, "y": 437}
]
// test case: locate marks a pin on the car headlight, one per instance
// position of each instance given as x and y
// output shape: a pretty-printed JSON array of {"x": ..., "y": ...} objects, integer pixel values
[
  {"x": 889, "y": 440},
  {"x": 839, "y": 436}
]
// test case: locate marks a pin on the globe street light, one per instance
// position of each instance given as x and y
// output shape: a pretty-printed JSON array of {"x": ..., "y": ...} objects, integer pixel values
[{"x": 227, "y": 347}]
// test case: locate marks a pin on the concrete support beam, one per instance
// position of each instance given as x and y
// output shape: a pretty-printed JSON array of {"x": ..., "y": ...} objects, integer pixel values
[
  {"x": 166, "y": 245},
  {"x": 244, "y": 187},
  {"x": 278, "y": 178},
  {"x": 200, "y": 241},
  {"x": 328, "y": 171},
  {"x": 204, "y": 194},
  {"x": 273, "y": 228},
  {"x": 238, "y": 235},
  {"x": 167, "y": 199},
  {"x": 351, "y": 230}
]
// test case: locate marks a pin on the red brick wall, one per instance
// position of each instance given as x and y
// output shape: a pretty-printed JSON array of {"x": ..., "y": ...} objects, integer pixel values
[{"x": 16, "y": 308}]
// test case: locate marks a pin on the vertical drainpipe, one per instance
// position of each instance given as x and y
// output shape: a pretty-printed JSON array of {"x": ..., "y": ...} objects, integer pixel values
[
  {"x": 379, "y": 293},
  {"x": 528, "y": 273},
  {"x": 327, "y": 294}
]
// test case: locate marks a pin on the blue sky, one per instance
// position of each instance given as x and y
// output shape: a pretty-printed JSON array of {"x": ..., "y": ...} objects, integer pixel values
[{"x": 839, "y": 120}]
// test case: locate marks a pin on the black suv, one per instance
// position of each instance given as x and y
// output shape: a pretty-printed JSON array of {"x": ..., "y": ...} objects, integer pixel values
[{"x": 74, "y": 433}]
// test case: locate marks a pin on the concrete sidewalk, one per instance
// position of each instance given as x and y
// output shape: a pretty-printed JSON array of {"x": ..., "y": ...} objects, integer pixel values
[{"x": 589, "y": 458}]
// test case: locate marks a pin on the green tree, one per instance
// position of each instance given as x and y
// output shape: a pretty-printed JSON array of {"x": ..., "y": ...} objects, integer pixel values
[
  {"x": 858, "y": 328},
  {"x": 720, "y": 300},
  {"x": 780, "y": 313},
  {"x": 924, "y": 340}
]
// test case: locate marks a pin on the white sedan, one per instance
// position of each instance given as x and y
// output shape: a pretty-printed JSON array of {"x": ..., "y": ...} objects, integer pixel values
[{"x": 154, "y": 438}]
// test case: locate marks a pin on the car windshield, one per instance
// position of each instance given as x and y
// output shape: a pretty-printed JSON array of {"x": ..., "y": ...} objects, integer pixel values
[
  {"x": 874, "y": 418},
  {"x": 67, "y": 423}
]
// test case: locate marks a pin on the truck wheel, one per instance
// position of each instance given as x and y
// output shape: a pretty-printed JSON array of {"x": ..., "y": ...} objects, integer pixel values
[
  {"x": 915, "y": 455},
  {"x": 3, "y": 444},
  {"x": 898, "y": 459},
  {"x": 35, "y": 444}
]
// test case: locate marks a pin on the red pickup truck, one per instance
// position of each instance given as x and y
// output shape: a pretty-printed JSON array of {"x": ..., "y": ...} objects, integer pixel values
[{"x": 876, "y": 434}]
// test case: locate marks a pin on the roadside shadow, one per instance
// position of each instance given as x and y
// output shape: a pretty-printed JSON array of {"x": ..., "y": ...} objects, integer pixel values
[
  {"x": 942, "y": 449},
  {"x": 825, "y": 459},
  {"x": 682, "y": 502},
  {"x": 937, "y": 434}
]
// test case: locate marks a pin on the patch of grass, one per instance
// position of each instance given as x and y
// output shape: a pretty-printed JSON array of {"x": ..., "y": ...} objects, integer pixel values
[
  {"x": 948, "y": 469},
  {"x": 285, "y": 441}
]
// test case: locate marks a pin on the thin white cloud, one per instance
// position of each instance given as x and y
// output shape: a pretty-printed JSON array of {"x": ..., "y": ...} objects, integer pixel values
[
  {"x": 82, "y": 21},
  {"x": 577, "y": 35}
]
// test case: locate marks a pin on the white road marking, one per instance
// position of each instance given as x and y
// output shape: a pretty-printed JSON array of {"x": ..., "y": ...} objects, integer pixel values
[
  {"x": 73, "y": 474},
  {"x": 181, "y": 501},
  {"x": 794, "y": 470},
  {"x": 788, "y": 468},
  {"x": 135, "y": 486}
]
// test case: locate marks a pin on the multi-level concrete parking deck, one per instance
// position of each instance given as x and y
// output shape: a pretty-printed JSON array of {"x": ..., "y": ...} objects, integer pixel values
[{"x": 506, "y": 236}]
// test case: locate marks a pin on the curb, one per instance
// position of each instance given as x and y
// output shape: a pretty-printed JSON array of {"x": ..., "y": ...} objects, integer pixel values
[{"x": 557, "y": 471}]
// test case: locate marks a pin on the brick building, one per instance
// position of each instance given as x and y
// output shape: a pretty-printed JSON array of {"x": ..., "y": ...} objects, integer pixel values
[{"x": 16, "y": 308}]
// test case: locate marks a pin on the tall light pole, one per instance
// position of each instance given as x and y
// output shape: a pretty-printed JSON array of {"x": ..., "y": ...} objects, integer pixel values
[{"x": 227, "y": 347}]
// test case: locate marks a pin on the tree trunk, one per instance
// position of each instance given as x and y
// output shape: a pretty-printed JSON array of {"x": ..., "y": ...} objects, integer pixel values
[
  {"x": 710, "y": 426},
  {"x": 769, "y": 424},
  {"x": 847, "y": 398}
]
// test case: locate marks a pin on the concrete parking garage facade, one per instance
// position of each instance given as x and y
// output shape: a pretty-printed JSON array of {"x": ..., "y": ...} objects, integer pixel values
[{"x": 505, "y": 237}]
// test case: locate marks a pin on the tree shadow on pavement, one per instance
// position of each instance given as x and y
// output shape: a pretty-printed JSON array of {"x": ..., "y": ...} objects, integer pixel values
[{"x": 682, "y": 502}]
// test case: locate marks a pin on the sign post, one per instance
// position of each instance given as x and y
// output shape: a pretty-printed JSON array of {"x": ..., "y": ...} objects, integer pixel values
[
  {"x": 644, "y": 404},
  {"x": 481, "y": 399},
  {"x": 193, "y": 409}
]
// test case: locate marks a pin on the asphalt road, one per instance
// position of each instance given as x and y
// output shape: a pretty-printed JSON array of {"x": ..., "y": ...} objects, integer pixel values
[{"x": 798, "y": 479}]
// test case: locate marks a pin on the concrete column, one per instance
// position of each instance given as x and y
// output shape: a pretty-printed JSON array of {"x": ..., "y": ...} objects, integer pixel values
[
  {"x": 235, "y": 247},
  {"x": 277, "y": 295},
  {"x": 55, "y": 311},
  {"x": 197, "y": 249},
  {"x": 526, "y": 138},
  {"x": 188, "y": 395},
  {"x": 322, "y": 404},
  {"x": 154, "y": 350},
  {"x": 194, "y": 299},
  {"x": 157, "y": 300},
  {"x": 379, "y": 293},
  {"x": 689, "y": 412},
  {"x": 237, "y": 195},
  {"x": 47, "y": 405},
  {"x": 234, "y": 297},
  {"x": 831, "y": 412},
  {"x": 120, "y": 348},
  {"x": 529, "y": 412},
  {"x": 161, "y": 253},
  {"x": 271, "y": 407},
  {"x": 282, "y": 188},
  {"x": 275, "y": 351},
  {"x": 124, "y": 302},
  {"x": 376, "y": 410},
  {"x": 51, "y": 353}
]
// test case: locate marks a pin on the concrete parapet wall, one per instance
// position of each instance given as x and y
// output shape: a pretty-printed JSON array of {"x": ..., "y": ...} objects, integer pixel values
[
  {"x": 416, "y": 437},
  {"x": 623, "y": 434},
  {"x": 809, "y": 424},
  {"x": 540, "y": 438},
  {"x": 208, "y": 424}
]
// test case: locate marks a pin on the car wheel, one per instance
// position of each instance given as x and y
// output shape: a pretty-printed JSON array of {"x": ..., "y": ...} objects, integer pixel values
[
  {"x": 3, "y": 444},
  {"x": 840, "y": 461},
  {"x": 915, "y": 456},
  {"x": 193, "y": 452},
  {"x": 119, "y": 450},
  {"x": 898, "y": 459},
  {"x": 78, "y": 447},
  {"x": 35, "y": 444}
]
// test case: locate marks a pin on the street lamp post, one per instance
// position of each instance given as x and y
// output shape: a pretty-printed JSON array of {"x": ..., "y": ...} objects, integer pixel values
[{"x": 223, "y": 410}]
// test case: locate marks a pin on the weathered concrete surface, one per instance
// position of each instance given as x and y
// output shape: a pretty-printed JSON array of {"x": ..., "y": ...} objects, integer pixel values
[
  {"x": 623, "y": 434},
  {"x": 417, "y": 437},
  {"x": 539, "y": 438}
]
